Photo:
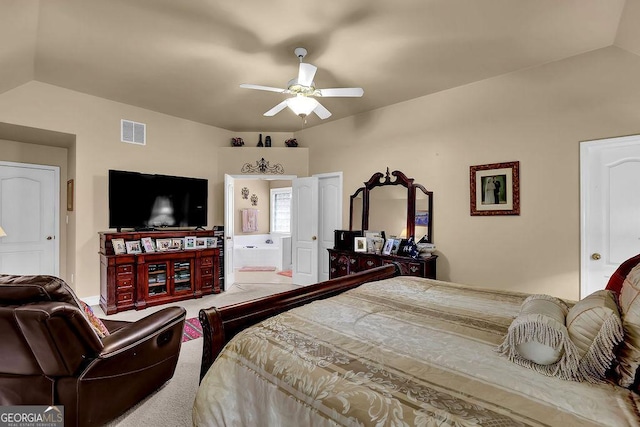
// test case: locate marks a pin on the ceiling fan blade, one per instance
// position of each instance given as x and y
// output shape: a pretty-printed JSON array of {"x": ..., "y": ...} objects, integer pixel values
[
  {"x": 258, "y": 87},
  {"x": 322, "y": 112},
  {"x": 275, "y": 110},
  {"x": 306, "y": 74},
  {"x": 343, "y": 91}
]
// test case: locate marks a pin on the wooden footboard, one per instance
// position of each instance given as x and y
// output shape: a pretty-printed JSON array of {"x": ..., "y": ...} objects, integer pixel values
[{"x": 221, "y": 324}]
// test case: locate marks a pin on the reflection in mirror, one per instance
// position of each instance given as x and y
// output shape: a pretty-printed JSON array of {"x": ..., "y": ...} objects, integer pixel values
[
  {"x": 422, "y": 214},
  {"x": 357, "y": 204},
  {"x": 388, "y": 210}
]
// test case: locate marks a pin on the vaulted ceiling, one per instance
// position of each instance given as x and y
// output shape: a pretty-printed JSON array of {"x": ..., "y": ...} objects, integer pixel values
[{"x": 187, "y": 58}]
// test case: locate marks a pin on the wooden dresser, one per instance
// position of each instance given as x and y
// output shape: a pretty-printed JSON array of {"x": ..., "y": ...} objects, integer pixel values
[
  {"x": 136, "y": 281},
  {"x": 344, "y": 262}
]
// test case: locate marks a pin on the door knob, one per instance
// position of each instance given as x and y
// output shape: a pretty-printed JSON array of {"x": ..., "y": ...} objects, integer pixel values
[
  {"x": 595, "y": 256},
  {"x": 49, "y": 237},
  {"x": 314, "y": 238}
]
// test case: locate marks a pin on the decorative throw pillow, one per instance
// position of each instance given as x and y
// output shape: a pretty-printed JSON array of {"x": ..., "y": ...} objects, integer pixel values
[
  {"x": 629, "y": 352},
  {"x": 595, "y": 328},
  {"x": 95, "y": 323},
  {"x": 538, "y": 338}
]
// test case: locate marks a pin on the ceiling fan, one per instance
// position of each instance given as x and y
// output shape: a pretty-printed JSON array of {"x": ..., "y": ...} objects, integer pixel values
[{"x": 303, "y": 87}]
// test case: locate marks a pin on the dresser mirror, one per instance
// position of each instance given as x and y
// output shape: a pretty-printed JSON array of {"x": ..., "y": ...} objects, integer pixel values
[{"x": 393, "y": 203}]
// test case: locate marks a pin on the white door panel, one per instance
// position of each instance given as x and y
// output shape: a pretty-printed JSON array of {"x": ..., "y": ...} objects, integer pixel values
[
  {"x": 610, "y": 208},
  {"x": 29, "y": 215},
  {"x": 330, "y": 218},
  {"x": 304, "y": 230}
]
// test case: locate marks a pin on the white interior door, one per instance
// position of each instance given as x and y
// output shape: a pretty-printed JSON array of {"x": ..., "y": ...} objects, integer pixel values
[
  {"x": 304, "y": 230},
  {"x": 329, "y": 219},
  {"x": 29, "y": 204},
  {"x": 610, "y": 208},
  {"x": 229, "y": 227}
]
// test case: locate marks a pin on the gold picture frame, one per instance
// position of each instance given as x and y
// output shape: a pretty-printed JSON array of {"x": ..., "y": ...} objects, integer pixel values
[{"x": 495, "y": 189}]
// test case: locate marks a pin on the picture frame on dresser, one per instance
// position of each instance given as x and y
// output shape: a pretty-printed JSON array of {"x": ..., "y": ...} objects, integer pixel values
[
  {"x": 360, "y": 244},
  {"x": 147, "y": 244},
  {"x": 201, "y": 242},
  {"x": 163, "y": 244},
  {"x": 119, "y": 247},
  {"x": 176, "y": 244},
  {"x": 133, "y": 247},
  {"x": 388, "y": 246},
  {"x": 190, "y": 242},
  {"x": 212, "y": 242}
]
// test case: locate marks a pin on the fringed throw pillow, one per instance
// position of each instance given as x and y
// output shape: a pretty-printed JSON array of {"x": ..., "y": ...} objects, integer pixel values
[
  {"x": 538, "y": 338},
  {"x": 595, "y": 328}
]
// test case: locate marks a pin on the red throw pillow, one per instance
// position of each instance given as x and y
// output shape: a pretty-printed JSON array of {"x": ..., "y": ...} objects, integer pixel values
[{"x": 617, "y": 278}]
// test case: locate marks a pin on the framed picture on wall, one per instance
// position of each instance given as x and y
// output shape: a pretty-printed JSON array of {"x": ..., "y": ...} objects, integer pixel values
[{"x": 495, "y": 189}]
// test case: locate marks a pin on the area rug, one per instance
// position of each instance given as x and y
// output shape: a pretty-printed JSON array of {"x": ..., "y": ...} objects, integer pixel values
[
  {"x": 287, "y": 273},
  {"x": 257, "y": 268},
  {"x": 192, "y": 329}
]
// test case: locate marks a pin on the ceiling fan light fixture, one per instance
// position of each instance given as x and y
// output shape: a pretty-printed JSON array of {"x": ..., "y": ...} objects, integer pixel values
[{"x": 302, "y": 105}]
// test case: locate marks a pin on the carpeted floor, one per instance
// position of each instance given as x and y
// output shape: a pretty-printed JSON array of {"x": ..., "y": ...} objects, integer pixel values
[{"x": 171, "y": 405}]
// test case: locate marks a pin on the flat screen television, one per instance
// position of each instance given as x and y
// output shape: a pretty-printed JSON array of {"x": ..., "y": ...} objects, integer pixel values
[{"x": 147, "y": 201}]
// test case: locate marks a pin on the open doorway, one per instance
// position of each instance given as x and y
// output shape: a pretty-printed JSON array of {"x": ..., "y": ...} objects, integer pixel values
[{"x": 259, "y": 239}]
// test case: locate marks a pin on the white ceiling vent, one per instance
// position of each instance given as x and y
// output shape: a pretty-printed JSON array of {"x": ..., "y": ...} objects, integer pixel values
[{"x": 133, "y": 132}]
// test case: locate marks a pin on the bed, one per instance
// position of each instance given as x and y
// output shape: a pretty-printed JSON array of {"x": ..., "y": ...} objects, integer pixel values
[{"x": 379, "y": 349}]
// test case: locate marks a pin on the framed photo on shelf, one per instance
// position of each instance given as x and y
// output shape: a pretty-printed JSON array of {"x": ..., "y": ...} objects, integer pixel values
[
  {"x": 201, "y": 242},
  {"x": 176, "y": 244},
  {"x": 360, "y": 244},
  {"x": 163, "y": 244},
  {"x": 119, "y": 247},
  {"x": 388, "y": 245},
  {"x": 133, "y": 247},
  {"x": 190, "y": 242},
  {"x": 495, "y": 189},
  {"x": 212, "y": 242},
  {"x": 147, "y": 244}
]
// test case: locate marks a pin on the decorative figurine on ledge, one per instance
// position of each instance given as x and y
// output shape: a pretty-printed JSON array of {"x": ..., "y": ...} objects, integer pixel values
[
  {"x": 237, "y": 142},
  {"x": 260, "y": 141},
  {"x": 267, "y": 141},
  {"x": 291, "y": 142}
]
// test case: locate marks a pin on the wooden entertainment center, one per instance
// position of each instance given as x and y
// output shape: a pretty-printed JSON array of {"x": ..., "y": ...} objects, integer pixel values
[{"x": 136, "y": 281}]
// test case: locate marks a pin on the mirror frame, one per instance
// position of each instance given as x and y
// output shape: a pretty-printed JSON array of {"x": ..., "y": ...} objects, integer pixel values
[{"x": 378, "y": 180}]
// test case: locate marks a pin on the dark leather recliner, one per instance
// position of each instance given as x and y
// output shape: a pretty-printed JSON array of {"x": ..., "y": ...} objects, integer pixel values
[{"x": 51, "y": 355}]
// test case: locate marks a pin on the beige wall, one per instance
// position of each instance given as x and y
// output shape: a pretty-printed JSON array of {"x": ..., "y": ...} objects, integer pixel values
[
  {"x": 260, "y": 189},
  {"x": 536, "y": 116}
]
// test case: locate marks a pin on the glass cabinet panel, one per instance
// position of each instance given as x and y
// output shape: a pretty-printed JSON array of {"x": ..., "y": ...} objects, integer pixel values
[
  {"x": 157, "y": 274},
  {"x": 182, "y": 275}
]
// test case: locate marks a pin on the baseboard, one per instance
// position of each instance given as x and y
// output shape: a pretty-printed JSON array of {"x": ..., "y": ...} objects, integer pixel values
[{"x": 93, "y": 300}]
